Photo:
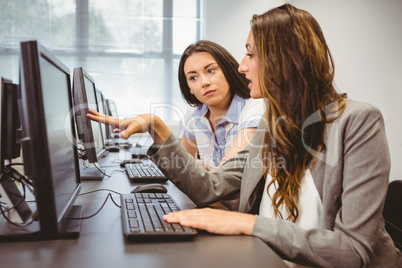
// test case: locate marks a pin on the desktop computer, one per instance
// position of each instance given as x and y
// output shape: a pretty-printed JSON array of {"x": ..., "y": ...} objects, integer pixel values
[{"x": 49, "y": 153}]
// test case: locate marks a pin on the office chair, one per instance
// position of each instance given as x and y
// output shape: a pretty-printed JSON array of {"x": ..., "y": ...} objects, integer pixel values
[{"x": 393, "y": 212}]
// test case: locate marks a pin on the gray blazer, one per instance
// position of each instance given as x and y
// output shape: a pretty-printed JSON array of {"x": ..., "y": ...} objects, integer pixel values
[{"x": 351, "y": 178}]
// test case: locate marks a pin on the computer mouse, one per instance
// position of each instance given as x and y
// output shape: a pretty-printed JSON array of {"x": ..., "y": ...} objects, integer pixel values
[
  {"x": 129, "y": 161},
  {"x": 150, "y": 188},
  {"x": 126, "y": 145},
  {"x": 110, "y": 142},
  {"x": 112, "y": 148}
]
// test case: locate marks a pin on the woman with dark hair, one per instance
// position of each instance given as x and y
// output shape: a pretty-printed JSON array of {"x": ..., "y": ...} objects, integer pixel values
[
  {"x": 314, "y": 178},
  {"x": 222, "y": 118}
]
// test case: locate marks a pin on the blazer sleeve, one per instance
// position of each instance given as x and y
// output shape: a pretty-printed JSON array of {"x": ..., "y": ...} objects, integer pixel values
[
  {"x": 357, "y": 233},
  {"x": 201, "y": 186}
]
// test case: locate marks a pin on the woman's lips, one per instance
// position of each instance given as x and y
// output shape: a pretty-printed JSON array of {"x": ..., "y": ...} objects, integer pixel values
[{"x": 209, "y": 92}]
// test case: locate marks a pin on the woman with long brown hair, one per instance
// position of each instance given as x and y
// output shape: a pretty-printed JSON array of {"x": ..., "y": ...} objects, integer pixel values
[
  {"x": 222, "y": 118},
  {"x": 313, "y": 180}
]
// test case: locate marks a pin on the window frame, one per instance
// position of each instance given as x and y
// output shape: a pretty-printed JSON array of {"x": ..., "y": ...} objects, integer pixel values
[{"x": 81, "y": 50}]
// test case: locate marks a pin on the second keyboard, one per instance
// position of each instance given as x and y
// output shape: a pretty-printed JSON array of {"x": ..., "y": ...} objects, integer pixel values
[{"x": 145, "y": 172}]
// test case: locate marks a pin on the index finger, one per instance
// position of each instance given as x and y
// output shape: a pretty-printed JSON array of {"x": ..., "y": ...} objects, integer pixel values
[{"x": 102, "y": 118}]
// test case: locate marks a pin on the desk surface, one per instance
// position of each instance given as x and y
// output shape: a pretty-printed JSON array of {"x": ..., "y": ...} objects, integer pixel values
[{"x": 101, "y": 242}]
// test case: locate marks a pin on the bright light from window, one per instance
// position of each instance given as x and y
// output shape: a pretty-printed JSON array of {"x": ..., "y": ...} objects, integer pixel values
[{"x": 131, "y": 48}]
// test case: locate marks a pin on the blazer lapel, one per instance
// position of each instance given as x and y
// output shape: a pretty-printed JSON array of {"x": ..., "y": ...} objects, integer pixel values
[{"x": 252, "y": 174}]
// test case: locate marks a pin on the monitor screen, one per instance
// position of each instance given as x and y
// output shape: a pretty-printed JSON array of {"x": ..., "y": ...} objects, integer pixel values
[
  {"x": 49, "y": 151},
  {"x": 89, "y": 132},
  {"x": 10, "y": 122}
]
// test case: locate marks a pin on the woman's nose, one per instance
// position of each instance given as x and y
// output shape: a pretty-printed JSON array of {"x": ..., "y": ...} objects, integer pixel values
[
  {"x": 242, "y": 67},
  {"x": 205, "y": 82}
]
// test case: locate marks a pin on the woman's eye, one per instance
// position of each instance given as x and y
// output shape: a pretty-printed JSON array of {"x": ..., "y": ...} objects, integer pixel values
[
  {"x": 249, "y": 55},
  {"x": 192, "y": 78},
  {"x": 211, "y": 71}
]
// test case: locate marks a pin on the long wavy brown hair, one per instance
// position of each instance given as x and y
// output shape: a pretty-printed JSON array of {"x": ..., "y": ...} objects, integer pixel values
[{"x": 297, "y": 73}]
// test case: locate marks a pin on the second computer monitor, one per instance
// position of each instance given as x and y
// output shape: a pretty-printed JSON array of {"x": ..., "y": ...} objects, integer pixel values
[
  {"x": 89, "y": 132},
  {"x": 111, "y": 110},
  {"x": 102, "y": 110}
]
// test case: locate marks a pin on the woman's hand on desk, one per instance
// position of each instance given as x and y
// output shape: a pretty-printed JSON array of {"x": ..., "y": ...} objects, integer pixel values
[
  {"x": 214, "y": 220},
  {"x": 136, "y": 124}
]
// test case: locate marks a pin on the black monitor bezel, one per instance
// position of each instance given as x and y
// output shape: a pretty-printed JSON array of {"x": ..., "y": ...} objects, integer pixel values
[{"x": 34, "y": 140}]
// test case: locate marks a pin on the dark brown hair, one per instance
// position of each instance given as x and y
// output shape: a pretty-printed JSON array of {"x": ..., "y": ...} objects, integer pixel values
[
  {"x": 237, "y": 82},
  {"x": 296, "y": 79}
]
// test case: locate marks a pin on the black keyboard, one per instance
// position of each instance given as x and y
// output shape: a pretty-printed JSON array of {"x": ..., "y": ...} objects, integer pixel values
[
  {"x": 142, "y": 218},
  {"x": 139, "y": 152},
  {"x": 145, "y": 171}
]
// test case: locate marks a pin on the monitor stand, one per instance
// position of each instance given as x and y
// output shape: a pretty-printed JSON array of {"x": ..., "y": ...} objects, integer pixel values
[
  {"x": 19, "y": 210},
  {"x": 91, "y": 173},
  {"x": 70, "y": 229}
]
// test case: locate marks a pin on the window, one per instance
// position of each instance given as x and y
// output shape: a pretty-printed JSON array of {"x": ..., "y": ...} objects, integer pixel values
[{"x": 130, "y": 47}]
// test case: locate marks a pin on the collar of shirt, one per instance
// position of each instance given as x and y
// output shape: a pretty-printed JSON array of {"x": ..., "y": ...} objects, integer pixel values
[{"x": 232, "y": 115}]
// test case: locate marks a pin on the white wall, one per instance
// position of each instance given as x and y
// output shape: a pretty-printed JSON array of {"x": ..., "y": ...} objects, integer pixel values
[
  {"x": 227, "y": 22},
  {"x": 364, "y": 36}
]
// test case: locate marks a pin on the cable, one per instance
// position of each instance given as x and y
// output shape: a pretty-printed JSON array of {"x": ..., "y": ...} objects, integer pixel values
[
  {"x": 101, "y": 171},
  {"x": 19, "y": 202},
  {"x": 104, "y": 174},
  {"x": 15, "y": 164},
  {"x": 12, "y": 173},
  {"x": 96, "y": 213},
  {"x": 23, "y": 180},
  {"x": 111, "y": 197},
  {"x": 99, "y": 190},
  {"x": 15, "y": 223},
  {"x": 84, "y": 163},
  {"x": 3, "y": 212},
  {"x": 118, "y": 170}
]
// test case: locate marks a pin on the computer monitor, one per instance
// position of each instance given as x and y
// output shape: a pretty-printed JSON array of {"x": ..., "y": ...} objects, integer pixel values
[
  {"x": 89, "y": 132},
  {"x": 16, "y": 209},
  {"x": 47, "y": 140},
  {"x": 102, "y": 110},
  {"x": 111, "y": 110},
  {"x": 10, "y": 123},
  {"x": 115, "y": 138},
  {"x": 84, "y": 97}
]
